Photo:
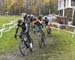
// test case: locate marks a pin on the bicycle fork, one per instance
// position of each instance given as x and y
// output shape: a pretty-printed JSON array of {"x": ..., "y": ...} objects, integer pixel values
[{"x": 30, "y": 46}]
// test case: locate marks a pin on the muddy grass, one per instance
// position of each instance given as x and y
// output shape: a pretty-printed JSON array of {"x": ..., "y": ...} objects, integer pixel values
[
  {"x": 60, "y": 46},
  {"x": 54, "y": 50}
]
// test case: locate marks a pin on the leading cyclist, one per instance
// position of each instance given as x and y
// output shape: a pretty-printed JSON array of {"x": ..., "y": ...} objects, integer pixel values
[{"x": 25, "y": 30}]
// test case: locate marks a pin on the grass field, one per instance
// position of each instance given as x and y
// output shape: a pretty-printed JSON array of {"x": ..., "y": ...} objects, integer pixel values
[
  {"x": 7, "y": 19},
  {"x": 60, "y": 46},
  {"x": 7, "y": 40}
]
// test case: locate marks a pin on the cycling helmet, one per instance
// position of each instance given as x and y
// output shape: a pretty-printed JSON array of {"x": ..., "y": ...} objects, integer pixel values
[
  {"x": 19, "y": 21},
  {"x": 40, "y": 17},
  {"x": 45, "y": 17}
]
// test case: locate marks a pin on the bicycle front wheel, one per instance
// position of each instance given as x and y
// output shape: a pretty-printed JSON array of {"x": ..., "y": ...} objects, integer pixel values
[{"x": 23, "y": 48}]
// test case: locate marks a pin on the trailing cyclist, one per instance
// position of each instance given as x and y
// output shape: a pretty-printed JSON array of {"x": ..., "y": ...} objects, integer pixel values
[
  {"x": 48, "y": 25},
  {"x": 37, "y": 23}
]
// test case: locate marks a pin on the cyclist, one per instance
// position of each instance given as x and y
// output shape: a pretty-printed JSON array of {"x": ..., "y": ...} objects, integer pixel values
[
  {"x": 39, "y": 28},
  {"x": 46, "y": 21},
  {"x": 33, "y": 25},
  {"x": 25, "y": 30},
  {"x": 38, "y": 22},
  {"x": 48, "y": 25}
]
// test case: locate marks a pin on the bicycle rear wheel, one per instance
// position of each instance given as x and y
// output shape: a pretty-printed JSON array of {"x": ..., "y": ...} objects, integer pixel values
[
  {"x": 42, "y": 39},
  {"x": 49, "y": 30},
  {"x": 43, "y": 42},
  {"x": 23, "y": 48}
]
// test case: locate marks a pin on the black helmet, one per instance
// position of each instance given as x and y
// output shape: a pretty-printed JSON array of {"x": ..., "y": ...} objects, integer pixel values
[
  {"x": 19, "y": 21},
  {"x": 45, "y": 17},
  {"x": 39, "y": 17}
]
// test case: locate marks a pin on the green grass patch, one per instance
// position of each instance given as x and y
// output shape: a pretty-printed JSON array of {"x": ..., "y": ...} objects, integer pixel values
[
  {"x": 7, "y": 19},
  {"x": 7, "y": 42}
]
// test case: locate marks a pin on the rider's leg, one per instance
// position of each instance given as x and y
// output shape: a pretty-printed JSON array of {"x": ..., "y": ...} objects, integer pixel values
[
  {"x": 26, "y": 44},
  {"x": 29, "y": 39},
  {"x": 21, "y": 34},
  {"x": 34, "y": 29}
]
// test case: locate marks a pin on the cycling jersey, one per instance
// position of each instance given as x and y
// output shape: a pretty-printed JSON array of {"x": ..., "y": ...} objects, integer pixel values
[
  {"x": 25, "y": 30},
  {"x": 23, "y": 26},
  {"x": 38, "y": 25}
]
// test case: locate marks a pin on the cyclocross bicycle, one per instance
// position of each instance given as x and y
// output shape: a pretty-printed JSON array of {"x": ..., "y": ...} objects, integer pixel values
[
  {"x": 25, "y": 46},
  {"x": 42, "y": 39}
]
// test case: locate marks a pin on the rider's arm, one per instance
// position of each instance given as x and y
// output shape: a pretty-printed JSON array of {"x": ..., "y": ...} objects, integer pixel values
[
  {"x": 40, "y": 21},
  {"x": 34, "y": 22},
  {"x": 17, "y": 28}
]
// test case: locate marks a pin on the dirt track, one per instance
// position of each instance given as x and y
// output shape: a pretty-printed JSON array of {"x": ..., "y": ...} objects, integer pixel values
[{"x": 54, "y": 51}]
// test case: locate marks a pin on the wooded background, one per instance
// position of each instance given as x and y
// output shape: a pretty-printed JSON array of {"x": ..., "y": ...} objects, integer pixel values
[{"x": 16, "y": 7}]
